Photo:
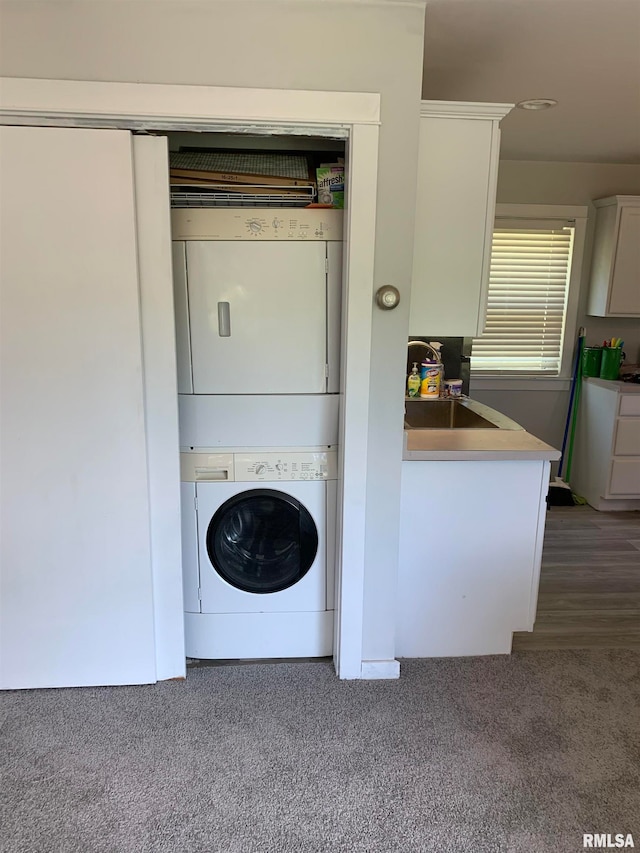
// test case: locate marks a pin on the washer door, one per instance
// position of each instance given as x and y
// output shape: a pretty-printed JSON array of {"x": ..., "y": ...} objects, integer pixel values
[{"x": 262, "y": 541}]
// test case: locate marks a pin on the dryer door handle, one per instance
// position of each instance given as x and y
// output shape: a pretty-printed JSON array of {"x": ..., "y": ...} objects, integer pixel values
[{"x": 224, "y": 320}]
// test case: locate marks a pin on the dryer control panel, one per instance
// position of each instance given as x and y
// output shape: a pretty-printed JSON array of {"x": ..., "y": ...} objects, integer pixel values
[
  {"x": 259, "y": 467},
  {"x": 256, "y": 224}
]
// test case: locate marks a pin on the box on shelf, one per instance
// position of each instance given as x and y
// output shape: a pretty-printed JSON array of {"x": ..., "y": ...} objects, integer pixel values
[{"x": 330, "y": 180}]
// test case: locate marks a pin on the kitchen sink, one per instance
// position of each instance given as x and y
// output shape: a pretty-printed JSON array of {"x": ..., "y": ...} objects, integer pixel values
[{"x": 444, "y": 414}]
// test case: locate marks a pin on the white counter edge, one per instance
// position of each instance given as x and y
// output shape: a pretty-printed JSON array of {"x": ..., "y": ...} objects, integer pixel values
[{"x": 552, "y": 455}]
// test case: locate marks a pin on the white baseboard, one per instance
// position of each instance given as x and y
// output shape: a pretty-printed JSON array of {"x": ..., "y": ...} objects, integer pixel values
[
  {"x": 379, "y": 669},
  {"x": 613, "y": 505}
]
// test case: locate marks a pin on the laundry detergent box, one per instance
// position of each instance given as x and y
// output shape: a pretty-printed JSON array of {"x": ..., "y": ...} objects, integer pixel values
[{"x": 330, "y": 179}]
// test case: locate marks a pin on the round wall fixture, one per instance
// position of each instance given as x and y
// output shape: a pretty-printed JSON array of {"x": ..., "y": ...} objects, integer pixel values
[
  {"x": 387, "y": 297},
  {"x": 537, "y": 104}
]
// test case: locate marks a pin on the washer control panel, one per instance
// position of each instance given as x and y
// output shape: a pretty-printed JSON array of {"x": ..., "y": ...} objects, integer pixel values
[{"x": 257, "y": 467}]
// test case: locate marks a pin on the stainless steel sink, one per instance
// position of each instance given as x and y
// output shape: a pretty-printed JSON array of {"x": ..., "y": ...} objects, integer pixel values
[{"x": 444, "y": 414}]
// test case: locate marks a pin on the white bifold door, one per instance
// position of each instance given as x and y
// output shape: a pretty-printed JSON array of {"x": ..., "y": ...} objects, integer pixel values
[
  {"x": 76, "y": 597},
  {"x": 257, "y": 317}
]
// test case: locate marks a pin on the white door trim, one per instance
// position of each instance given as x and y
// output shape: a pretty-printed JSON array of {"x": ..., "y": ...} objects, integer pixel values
[
  {"x": 151, "y": 185},
  {"x": 355, "y": 115},
  {"x": 170, "y": 105}
]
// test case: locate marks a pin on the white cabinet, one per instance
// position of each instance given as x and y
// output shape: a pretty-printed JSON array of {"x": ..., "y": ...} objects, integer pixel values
[
  {"x": 606, "y": 459},
  {"x": 470, "y": 552},
  {"x": 615, "y": 269},
  {"x": 455, "y": 208}
]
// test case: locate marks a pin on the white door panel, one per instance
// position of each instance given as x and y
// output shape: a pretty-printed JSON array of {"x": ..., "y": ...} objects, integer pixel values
[
  {"x": 181, "y": 309},
  {"x": 276, "y": 296},
  {"x": 76, "y": 600},
  {"x": 218, "y": 596},
  {"x": 190, "y": 571}
]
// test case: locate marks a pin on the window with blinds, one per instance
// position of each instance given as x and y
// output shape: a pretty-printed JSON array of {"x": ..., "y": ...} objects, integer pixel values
[{"x": 528, "y": 289}]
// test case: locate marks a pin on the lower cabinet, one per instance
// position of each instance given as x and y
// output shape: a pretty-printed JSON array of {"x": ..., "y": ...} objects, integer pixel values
[
  {"x": 606, "y": 459},
  {"x": 470, "y": 554}
]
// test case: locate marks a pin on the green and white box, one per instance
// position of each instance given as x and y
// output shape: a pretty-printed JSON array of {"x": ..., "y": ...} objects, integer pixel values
[{"x": 330, "y": 178}]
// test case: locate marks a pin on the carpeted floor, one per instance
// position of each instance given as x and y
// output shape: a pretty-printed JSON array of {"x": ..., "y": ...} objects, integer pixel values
[{"x": 519, "y": 754}]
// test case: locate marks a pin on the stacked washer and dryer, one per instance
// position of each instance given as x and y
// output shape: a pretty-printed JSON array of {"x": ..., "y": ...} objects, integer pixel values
[{"x": 258, "y": 306}]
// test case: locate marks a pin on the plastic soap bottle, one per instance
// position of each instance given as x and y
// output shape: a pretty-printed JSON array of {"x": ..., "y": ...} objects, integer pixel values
[{"x": 413, "y": 382}]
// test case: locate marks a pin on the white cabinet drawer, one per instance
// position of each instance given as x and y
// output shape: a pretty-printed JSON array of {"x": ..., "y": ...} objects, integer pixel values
[
  {"x": 629, "y": 404},
  {"x": 625, "y": 477},
  {"x": 627, "y": 442}
]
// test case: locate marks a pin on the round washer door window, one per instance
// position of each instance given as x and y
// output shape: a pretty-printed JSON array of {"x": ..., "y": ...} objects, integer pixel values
[{"x": 262, "y": 541}]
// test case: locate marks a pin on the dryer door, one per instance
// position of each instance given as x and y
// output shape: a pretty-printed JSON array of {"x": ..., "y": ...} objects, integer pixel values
[{"x": 258, "y": 317}]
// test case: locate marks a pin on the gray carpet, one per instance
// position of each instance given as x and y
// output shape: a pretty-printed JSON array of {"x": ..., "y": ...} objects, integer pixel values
[{"x": 519, "y": 754}]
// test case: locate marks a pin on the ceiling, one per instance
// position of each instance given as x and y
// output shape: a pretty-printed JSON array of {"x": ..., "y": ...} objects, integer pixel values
[{"x": 583, "y": 53}]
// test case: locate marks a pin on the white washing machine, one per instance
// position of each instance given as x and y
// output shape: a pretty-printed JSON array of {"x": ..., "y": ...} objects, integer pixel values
[{"x": 258, "y": 553}]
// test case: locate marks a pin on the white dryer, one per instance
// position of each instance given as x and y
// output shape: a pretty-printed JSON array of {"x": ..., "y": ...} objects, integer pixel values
[
  {"x": 258, "y": 300},
  {"x": 258, "y": 553}
]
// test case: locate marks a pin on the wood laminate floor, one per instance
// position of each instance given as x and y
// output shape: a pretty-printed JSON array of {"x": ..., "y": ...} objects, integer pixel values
[{"x": 589, "y": 582}]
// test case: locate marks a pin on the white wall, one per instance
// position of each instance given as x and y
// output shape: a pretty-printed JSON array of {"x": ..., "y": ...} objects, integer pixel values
[
  {"x": 543, "y": 412},
  {"x": 296, "y": 44},
  {"x": 537, "y": 182}
]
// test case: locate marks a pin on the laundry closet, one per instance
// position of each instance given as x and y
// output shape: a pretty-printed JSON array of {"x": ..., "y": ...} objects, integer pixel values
[{"x": 257, "y": 276}]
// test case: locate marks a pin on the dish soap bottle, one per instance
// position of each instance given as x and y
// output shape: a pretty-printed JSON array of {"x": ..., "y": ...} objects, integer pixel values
[{"x": 413, "y": 382}]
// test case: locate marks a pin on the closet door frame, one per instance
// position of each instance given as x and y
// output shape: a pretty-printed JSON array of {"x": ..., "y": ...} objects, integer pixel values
[{"x": 350, "y": 115}]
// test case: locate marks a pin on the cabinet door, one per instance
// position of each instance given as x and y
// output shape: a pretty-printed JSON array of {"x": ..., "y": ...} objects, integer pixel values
[
  {"x": 625, "y": 477},
  {"x": 274, "y": 296},
  {"x": 76, "y": 603},
  {"x": 625, "y": 282},
  {"x": 457, "y": 174}
]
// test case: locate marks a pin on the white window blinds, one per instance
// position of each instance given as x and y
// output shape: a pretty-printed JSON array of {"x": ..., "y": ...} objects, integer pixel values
[{"x": 528, "y": 288}]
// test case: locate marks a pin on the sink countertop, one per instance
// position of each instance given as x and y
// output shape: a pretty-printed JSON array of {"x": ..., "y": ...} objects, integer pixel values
[{"x": 508, "y": 442}]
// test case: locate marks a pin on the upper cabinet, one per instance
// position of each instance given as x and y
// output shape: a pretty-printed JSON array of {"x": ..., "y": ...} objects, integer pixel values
[
  {"x": 615, "y": 269},
  {"x": 455, "y": 208}
]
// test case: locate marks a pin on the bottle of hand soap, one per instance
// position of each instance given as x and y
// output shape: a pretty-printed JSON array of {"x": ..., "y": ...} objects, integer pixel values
[{"x": 413, "y": 382}]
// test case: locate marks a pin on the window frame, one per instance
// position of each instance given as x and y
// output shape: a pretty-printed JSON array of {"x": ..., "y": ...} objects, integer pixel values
[{"x": 541, "y": 212}]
